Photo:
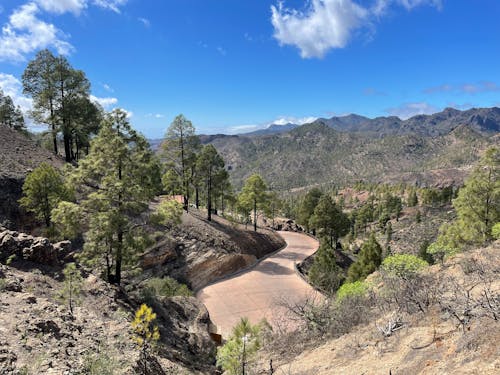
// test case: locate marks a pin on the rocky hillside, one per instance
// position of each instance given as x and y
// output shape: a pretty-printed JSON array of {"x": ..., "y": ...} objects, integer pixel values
[
  {"x": 482, "y": 120},
  {"x": 18, "y": 156},
  {"x": 198, "y": 252},
  {"x": 317, "y": 154},
  {"x": 455, "y": 332},
  {"x": 39, "y": 335}
]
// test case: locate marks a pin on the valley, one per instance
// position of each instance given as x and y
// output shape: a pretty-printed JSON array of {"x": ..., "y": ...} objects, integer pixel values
[{"x": 285, "y": 187}]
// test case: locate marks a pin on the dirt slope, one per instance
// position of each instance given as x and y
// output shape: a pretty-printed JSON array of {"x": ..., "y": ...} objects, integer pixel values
[
  {"x": 18, "y": 156},
  {"x": 429, "y": 343}
]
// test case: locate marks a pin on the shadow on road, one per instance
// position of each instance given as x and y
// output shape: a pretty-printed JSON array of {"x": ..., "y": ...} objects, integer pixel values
[{"x": 272, "y": 268}]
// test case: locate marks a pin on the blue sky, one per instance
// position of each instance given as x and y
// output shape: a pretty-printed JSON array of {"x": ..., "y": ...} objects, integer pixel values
[{"x": 233, "y": 66}]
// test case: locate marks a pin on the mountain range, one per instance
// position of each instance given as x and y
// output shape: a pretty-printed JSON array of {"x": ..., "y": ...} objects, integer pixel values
[
  {"x": 433, "y": 149},
  {"x": 484, "y": 120}
]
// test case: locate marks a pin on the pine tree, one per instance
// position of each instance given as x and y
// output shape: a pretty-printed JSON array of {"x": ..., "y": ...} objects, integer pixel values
[
  {"x": 43, "y": 189},
  {"x": 329, "y": 220},
  {"x": 116, "y": 181},
  {"x": 275, "y": 204},
  {"x": 210, "y": 168},
  {"x": 238, "y": 351},
  {"x": 254, "y": 196},
  {"x": 10, "y": 115},
  {"x": 324, "y": 272},
  {"x": 307, "y": 206},
  {"x": 72, "y": 289},
  {"x": 61, "y": 99},
  {"x": 478, "y": 202},
  {"x": 370, "y": 258},
  {"x": 171, "y": 182},
  {"x": 146, "y": 333},
  {"x": 179, "y": 149},
  {"x": 412, "y": 198},
  {"x": 39, "y": 82}
]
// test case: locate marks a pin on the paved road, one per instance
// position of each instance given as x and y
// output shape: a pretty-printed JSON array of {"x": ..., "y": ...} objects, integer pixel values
[{"x": 258, "y": 293}]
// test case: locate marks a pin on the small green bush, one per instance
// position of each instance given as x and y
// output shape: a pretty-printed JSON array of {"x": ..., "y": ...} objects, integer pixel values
[
  {"x": 495, "y": 231},
  {"x": 163, "y": 287},
  {"x": 352, "y": 290},
  {"x": 403, "y": 265},
  {"x": 10, "y": 259},
  {"x": 3, "y": 284}
]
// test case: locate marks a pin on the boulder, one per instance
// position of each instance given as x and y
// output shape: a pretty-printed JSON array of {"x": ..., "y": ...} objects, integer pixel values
[
  {"x": 35, "y": 249},
  {"x": 184, "y": 325}
]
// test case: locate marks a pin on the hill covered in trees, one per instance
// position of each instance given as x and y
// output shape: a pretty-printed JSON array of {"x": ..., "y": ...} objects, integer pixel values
[{"x": 317, "y": 153}]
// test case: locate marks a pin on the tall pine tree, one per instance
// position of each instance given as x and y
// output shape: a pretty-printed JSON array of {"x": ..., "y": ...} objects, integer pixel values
[{"x": 116, "y": 181}]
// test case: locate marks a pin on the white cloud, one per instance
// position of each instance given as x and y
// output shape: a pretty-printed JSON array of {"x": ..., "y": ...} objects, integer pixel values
[
  {"x": 282, "y": 120},
  {"x": 381, "y": 6},
  {"x": 466, "y": 88},
  {"x": 107, "y": 87},
  {"x": 13, "y": 87},
  {"x": 461, "y": 107},
  {"x": 371, "y": 91},
  {"x": 408, "y": 110},
  {"x": 144, "y": 21},
  {"x": 222, "y": 51},
  {"x": 155, "y": 115},
  {"x": 129, "y": 113},
  {"x": 292, "y": 120},
  {"x": 242, "y": 128},
  {"x": 329, "y": 24},
  {"x": 113, "y": 5},
  {"x": 326, "y": 24},
  {"x": 106, "y": 103},
  {"x": 25, "y": 33},
  {"x": 63, "y": 6}
]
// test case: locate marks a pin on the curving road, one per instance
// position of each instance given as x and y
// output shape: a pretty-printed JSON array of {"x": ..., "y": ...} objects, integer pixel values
[{"x": 260, "y": 292}]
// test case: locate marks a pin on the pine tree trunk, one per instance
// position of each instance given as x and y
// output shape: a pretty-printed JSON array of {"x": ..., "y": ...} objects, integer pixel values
[
  {"x": 54, "y": 132},
  {"x": 209, "y": 195},
  {"x": 255, "y": 215},
  {"x": 67, "y": 147}
]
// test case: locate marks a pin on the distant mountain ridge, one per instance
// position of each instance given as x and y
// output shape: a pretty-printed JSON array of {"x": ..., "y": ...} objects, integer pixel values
[
  {"x": 433, "y": 149},
  {"x": 483, "y": 120},
  {"x": 273, "y": 129}
]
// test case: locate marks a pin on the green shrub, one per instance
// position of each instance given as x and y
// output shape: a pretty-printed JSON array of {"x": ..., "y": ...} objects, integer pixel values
[
  {"x": 403, "y": 265},
  {"x": 325, "y": 273},
  {"x": 10, "y": 259},
  {"x": 495, "y": 231},
  {"x": 424, "y": 254},
  {"x": 238, "y": 353},
  {"x": 3, "y": 284},
  {"x": 352, "y": 290},
  {"x": 163, "y": 287},
  {"x": 369, "y": 259}
]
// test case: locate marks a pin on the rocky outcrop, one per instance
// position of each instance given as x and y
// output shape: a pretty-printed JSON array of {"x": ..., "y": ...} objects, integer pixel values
[
  {"x": 39, "y": 335},
  {"x": 35, "y": 249},
  {"x": 184, "y": 329},
  {"x": 286, "y": 225},
  {"x": 199, "y": 252}
]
